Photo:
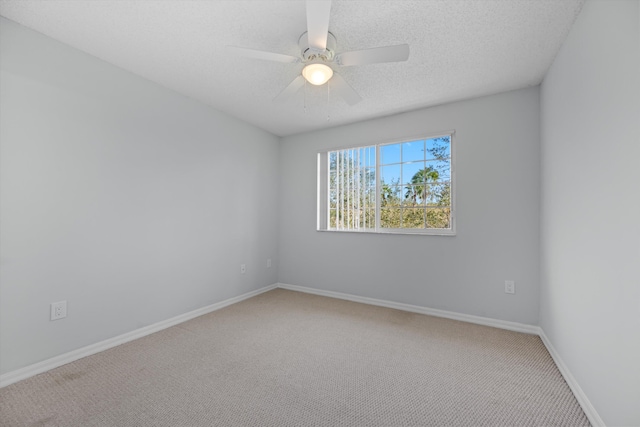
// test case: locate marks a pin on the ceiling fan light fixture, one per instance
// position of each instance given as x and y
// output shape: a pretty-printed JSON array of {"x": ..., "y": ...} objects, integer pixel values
[{"x": 317, "y": 74}]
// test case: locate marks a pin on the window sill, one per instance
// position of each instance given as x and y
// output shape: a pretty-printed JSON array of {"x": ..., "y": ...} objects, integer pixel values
[{"x": 448, "y": 233}]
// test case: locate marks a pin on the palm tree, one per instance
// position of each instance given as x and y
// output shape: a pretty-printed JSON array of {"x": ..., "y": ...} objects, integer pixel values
[{"x": 419, "y": 181}]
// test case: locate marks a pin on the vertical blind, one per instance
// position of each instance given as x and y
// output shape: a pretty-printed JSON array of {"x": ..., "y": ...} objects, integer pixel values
[{"x": 352, "y": 189}]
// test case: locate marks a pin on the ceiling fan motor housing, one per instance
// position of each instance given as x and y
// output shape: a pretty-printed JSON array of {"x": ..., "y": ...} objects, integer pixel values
[{"x": 310, "y": 54}]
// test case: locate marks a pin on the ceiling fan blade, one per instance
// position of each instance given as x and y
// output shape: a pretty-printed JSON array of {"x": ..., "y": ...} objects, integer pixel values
[
  {"x": 290, "y": 90},
  {"x": 375, "y": 55},
  {"x": 260, "y": 54},
  {"x": 318, "y": 24},
  {"x": 342, "y": 88}
]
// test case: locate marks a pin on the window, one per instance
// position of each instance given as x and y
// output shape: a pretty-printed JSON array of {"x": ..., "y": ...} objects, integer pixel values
[{"x": 399, "y": 187}]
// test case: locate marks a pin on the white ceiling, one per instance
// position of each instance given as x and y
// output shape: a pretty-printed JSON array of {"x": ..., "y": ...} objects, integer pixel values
[{"x": 459, "y": 50}]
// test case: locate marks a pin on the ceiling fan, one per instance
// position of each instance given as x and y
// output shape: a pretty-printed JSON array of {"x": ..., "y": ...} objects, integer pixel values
[{"x": 318, "y": 53}]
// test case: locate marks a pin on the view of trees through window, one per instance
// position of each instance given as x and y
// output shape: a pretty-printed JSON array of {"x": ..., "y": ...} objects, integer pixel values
[{"x": 403, "y": 185}]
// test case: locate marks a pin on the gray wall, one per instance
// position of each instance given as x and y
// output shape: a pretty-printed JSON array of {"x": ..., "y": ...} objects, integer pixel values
[
  {"x": 129, "y": 201},
  {"x": 136, "y": 204},
  {"x": 590, "y": 130},
  {"x": 497, "y": 148}
]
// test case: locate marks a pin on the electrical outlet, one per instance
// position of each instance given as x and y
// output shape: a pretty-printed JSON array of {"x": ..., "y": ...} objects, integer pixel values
[
  {"x": 269, "y": 263},
  {"x": 243, "y": 268},
  {"x": 509, "y": 287},
  {"x": 58, "y": 310}
]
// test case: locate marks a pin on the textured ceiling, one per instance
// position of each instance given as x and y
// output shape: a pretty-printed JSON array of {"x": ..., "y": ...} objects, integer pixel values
[{"x": 459, "y": 50}]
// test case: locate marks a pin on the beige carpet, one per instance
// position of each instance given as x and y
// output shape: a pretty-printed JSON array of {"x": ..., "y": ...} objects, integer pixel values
[{"x": 285, "y": 358}]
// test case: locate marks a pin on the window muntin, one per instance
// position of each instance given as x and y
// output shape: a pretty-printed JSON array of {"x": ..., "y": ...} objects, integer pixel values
[{"x": 399, "y": 187}]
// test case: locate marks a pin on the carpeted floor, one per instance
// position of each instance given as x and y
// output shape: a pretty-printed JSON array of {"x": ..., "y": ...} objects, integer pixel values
[{"x": 286, "y": 358}]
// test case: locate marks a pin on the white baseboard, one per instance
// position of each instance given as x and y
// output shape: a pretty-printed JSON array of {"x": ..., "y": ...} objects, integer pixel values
[
  {"x": 581, "y": 397},
  {"x": 486, "y": 321},
  {"x": 63, "y": 359}
]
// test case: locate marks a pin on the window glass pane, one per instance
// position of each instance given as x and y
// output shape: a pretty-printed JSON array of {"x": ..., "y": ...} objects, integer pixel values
[
  {"x": 438, "y": 217},
  {"x": 390, "y": 175},
  {"x": 370, "y": 218},
  {"x": 390, "y": 217},
  {"x": 410, "y": 171},
  {"x": 366, "y": 220},
  {"x": 442, "y": 168},
  {"x": 413, "y": 218},
  {"x": 439, "y": 148},
  {"x": 332, "y": 218},
  {"x": 351, "y": 219},
  {"x": 343, "y": 219},
  {"x": 369, "y": 156},
  {"x": 368, "y": 180},
  {"x": 439, "y": 194},
  {"x": 332, "y": 179},
  {"x": 332, "y": 160},
  {"x": 414, "y": 195},
  {"x": 369, "y": 197},
  {"x": 389, "y": 154},
  {"x": 333, "y": 198},
  {"x": 356, "y": 155},
  {"x": 391, "y": 195},
  {"x": 412, "y": 151}
]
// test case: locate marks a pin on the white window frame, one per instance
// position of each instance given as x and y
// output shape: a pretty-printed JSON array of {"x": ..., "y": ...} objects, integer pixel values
[{"x": 323, "y": 189}]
